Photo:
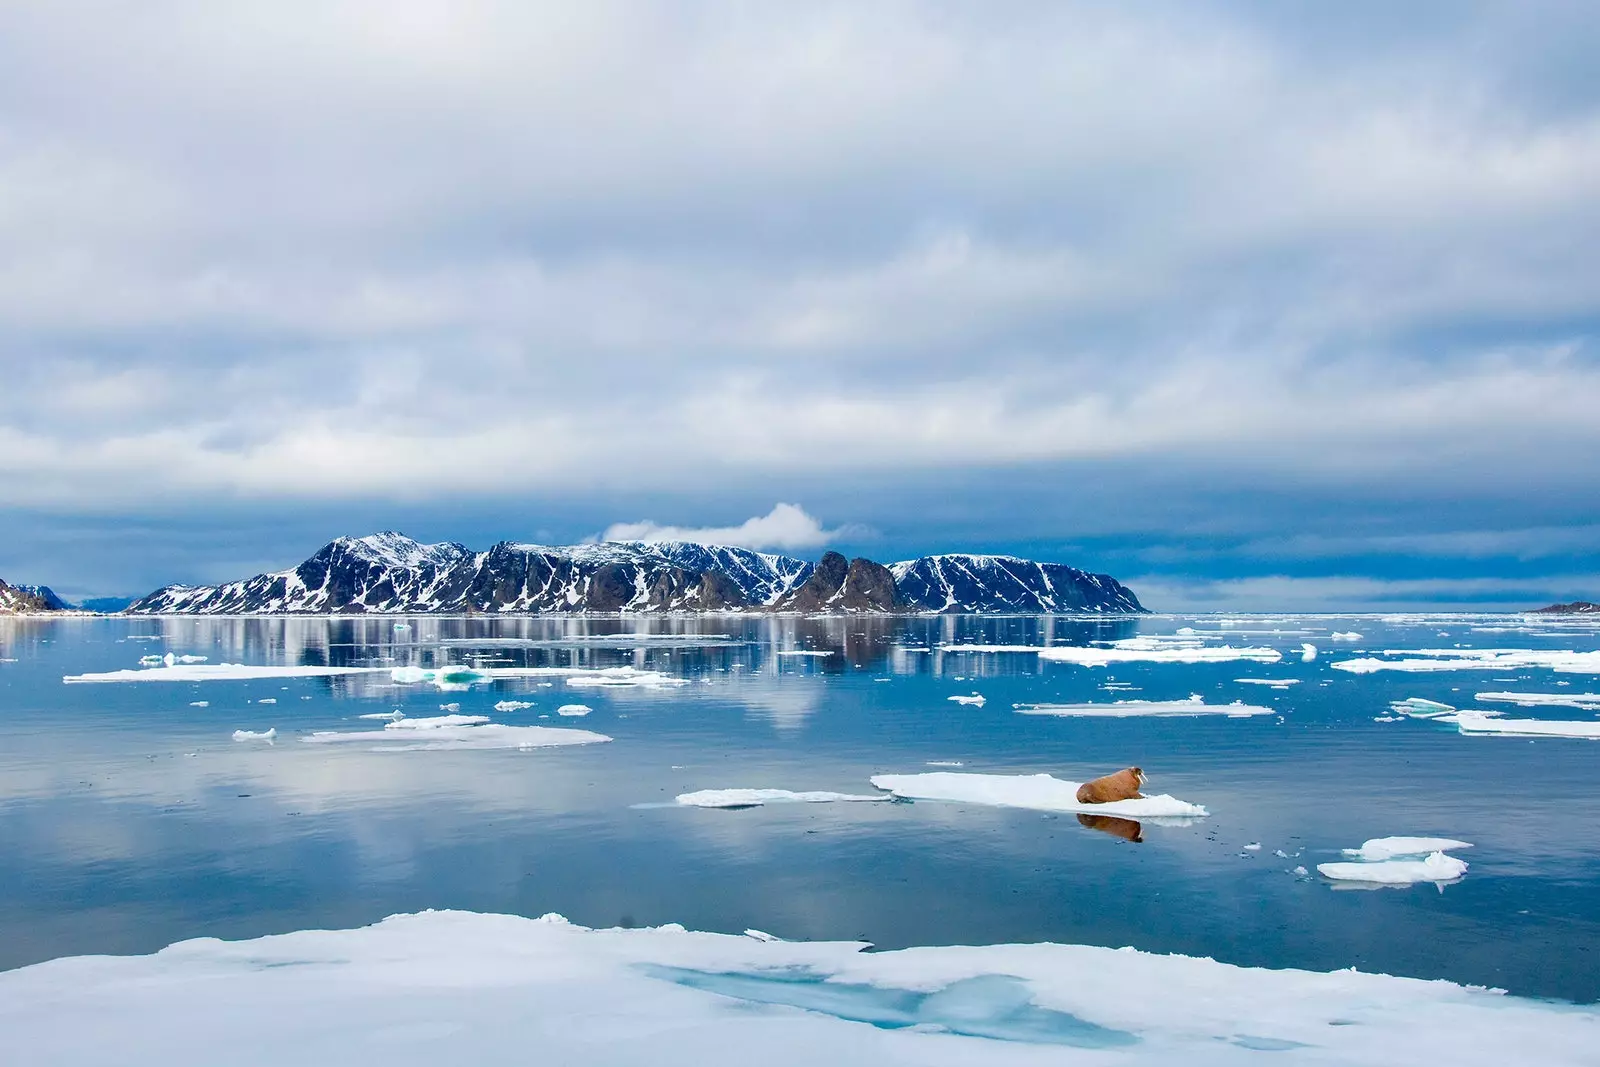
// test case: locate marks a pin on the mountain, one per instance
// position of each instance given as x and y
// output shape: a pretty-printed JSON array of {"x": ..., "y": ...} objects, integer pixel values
[
  {"x": 1577, "y": 607},
  {"x": 28, "y": 599},
  {"x": 389, "y": 573},
  {"x": 1006, "y": 584}
]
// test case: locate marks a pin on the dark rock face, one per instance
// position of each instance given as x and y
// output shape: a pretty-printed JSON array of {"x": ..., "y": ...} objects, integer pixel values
[
  {"x": 1577, "y": 607},
  {"x": 389, "y": 573},
  {"x": 988, "y": 585},
  {"x": 28, "y": 599}
]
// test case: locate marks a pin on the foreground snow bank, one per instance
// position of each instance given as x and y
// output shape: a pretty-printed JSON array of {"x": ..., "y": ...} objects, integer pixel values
[
  {"x": 492, "y": 990},
  {"x": 1038, "y": 791}
]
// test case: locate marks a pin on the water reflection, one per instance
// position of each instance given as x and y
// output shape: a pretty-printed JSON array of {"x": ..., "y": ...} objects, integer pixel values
[{"x": 1127, "y": 829}]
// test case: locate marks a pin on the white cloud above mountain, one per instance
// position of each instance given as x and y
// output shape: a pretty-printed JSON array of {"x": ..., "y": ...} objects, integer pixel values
[{"x": 786, "y": 526}]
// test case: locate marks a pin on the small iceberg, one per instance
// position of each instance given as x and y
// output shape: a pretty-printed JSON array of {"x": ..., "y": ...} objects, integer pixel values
[
  {"x": 1418, "y": 708},
  {"x": 1581, "y": 701},
  {"x": 1348, "y": 635},
  {"x": 1039, "y": 792},
  {"x": 975, "y": 699},
  {"x": 1275, "y": 683},
  {"x": 573, "y": 711},
  {"x": 1388, "y": 848},
  {"x": 513, "y": 705},
  {"x": 252, "y": 735},
  {"x": 755, "y": 798},
  {"x": 1437, "y": 867},
  {"x": 462, "y": 737},
  {"x": 1123, "y": 709},
  {"x": 1487, "y": 723}
]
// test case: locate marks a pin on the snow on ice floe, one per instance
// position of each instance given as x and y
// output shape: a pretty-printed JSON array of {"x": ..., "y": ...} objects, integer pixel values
[
  {"x": 1040, "y": 792},
  {"x": 574, "y": 710},
  {"x": 1581, "y": 701},
  {"x": 420, "y": 988},
  {"x": 1134, "y": 650},
  {"x": 436, "y": 722},
  {"x": 217, "y": 672},
  {"x": 1378, "y": 849},
  {"x": 754, "y": 798},
  {"x": 1436, "y": 867},
  {"x": 513, "y": 705},
  {"x": 1474, "y": 659},
  {"x": 1124, "y": 709},
  {"x": 252, "y": 735},
  {"x": 397, "y": 736},
  {"x": 1487, "y": 723},
  {"x": 975, "y": 700}
]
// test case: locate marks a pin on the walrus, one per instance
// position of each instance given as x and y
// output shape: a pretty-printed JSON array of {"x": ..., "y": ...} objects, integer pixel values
[
  {"x": 1126, "y": 829},
  {"x": 1124, "y": 785}
]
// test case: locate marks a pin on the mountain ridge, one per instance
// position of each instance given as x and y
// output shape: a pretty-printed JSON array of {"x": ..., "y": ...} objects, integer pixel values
[{"x": 389, "y": 573}]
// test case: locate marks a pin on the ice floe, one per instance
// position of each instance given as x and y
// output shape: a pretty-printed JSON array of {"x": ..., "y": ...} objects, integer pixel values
[
  {"x": 458, "y": 987},
  {"x": 513, "y": 705},
  {"x": 1581, "y": 701},
  {"x": 436, "y": 722},
  {"x": 1418, "y": 708},
  {"x": 253, "y": 735},
  {"x": 1308, "y": 652},
  {"x": 216, "y": 672},
  {"x": 574, "y": 710},
  {"x": 975, "y": 699},
  {"x": 1040, "y": 792},
  {"x": 1273, "y": 683},
  {"x": 1390, "y": 848},
  {"x": 1133, "y": 650},
  {"x": 1124, "y": 709},
  {"x": 819, "y": 653},
  {"x": 754, "y": 798},
  {"x": 1348, "y": 635},
  {"x": 397, "y": 737},
  {"x": 1437, "y": 867},
  {"x": 1474, "y": 659},
  {"x": 1486, "y": 723}
]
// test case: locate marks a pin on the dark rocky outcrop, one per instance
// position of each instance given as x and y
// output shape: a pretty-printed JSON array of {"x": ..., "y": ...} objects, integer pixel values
[
  {"x": 29, "y": 600},
  {"x": 1577, "y": 607}
]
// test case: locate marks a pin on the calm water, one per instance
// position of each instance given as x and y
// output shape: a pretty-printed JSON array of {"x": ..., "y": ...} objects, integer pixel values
[{"x": 129, "y": 819}]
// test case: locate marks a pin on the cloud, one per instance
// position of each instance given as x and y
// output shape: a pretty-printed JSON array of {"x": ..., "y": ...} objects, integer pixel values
[{"x": 785, "y": 526}]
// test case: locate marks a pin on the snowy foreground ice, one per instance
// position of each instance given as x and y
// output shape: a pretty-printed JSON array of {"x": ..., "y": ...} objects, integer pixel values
[
  {"x": 1124, "y": 709},
  {"x": 1040, "y": 792},
  {"x": 458, "y": 987}
]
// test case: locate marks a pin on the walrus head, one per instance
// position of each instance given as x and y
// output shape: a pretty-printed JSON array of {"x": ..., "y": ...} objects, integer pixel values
[{"x": 1137, "y": 773}]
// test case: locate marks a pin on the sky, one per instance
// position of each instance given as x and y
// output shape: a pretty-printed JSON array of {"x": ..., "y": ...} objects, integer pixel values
[{"x": 1255, "y": 306}]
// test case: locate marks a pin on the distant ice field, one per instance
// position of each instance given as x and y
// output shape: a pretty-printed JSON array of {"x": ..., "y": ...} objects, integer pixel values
[{"x": 382, "y": 770}]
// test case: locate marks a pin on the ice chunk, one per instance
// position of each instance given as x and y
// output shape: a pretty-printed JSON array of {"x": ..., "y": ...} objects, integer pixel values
[
  {"x": 436, "y": 722},
  {"x": 944, "y": 763},
  {"x": 1132, "y": 650},
  {"x": 819, "y": 653},
  {"x": 1581, "y": 701},
  {"x": 1275, "y": 683},
  {"x": 1040, "y": 792},
  {"x": 1308, "y": 652},
  {"x": 252, "y": 735},
  {"x": 447, "y": 987},
  {"x": 1418, "y": 708},
  {"x": 574, "y": 710},
  {"x": 267, "y": 700},
  {"x": 513, "y": 705},
  {"x": 974, "y": 699},
  {"x": 389, "y": 715},
  {"x": 1123, "y": 709},
  {"x": 466, "y": 737},
  {"x": 199, "y": 703},
  {"x": 1254, "y": 846},
  {"x": 450, "y": 709},
  {"x": 1389, "y": 848},
  {"x": 1438, "y": 867},
  {"x": 1475, "y": 659},
  {"x": 216, "y": 672},
  {"x": 1348, "y": 635},
  {"x": 752, "y": 798},
  {"x": 1479, "y": 722}
]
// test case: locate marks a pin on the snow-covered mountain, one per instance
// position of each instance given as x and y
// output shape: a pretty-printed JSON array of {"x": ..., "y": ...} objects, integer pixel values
[
  {"x": 391, "y": 573},
  {"x": 27, "y": 599}
]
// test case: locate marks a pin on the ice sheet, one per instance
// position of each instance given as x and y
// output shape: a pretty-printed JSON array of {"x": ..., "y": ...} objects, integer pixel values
[
  {"x": 1474, "y": 659},
  {"x": 495, "y": 991},
  {"x": 1438, "y": 867},
  {"x": 1389, "y": 848},
  {"x": 1418, "y": 708},
  {"x": 487, "y": 736},
  {"x": 1125, "y": 709},
  {"x": 1040, "y": 792},
  {"x": 1478, "y": 722},
  {"x": 1581, "y": 701},
  {"x": 1133, "y": 650},
  {"x": 753, "y": 798}
]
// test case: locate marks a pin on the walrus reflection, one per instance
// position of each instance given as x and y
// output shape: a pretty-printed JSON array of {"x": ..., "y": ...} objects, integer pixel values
[{"x": 1126, "y": 829}]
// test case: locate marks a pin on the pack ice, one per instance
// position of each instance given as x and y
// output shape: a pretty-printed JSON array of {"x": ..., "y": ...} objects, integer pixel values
[
  {"x": 1124, "y": 709},
  {"x": 499, "y": 990},
  {"x": 1040, "y": 792}
]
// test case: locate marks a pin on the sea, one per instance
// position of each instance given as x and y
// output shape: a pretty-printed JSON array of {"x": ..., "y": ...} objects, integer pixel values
[{"x": 130, "y": 817}]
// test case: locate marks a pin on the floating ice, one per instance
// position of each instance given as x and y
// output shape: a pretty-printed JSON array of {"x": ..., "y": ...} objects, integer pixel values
[
  {"x": 169, "y": 660},
  {"x": 1254, "y": 846},
  {"x": 802, "y": 652},
  {"x": 945, "y": 763},
  {"x": 1389, "y": 848},
  {"x": 456, "y": 675},
  {"x": 974, "y": 699},
  {"x": 1123, "y": 709},
  {"x": 1308, "y": 652},
  {"x": 1275, "y": 683},
  {"x": 1348, "y": 635},
  {"x": 624, "y": 676},
  {"x": 1475, "y": 659},
  {"x": 199, "y": 703},
  {"x": 216, "y": 672},
  {"x": 1436, "y": 868},
  {"x": 436, "y": 722},
  {"x": 1040, "y": 792},
  {"x": 267, "y": 700},
  {"x": 1418, "y": 708},
  {"x": 1133, "y": 650},
  {"x": 574, "y": 710},
  {"x": 446, "y": 987},
  {"x": 252, "y": 735},
  {"x": 1581, "y": 701},
  {"x": 513, "y": 705},
  {"x": 1480, "y": 722},
  {"x": 465, "y": 737},
  {"x": 389, "y": 715},
  {"x": 753, "y": 798},
  {"x": 450, "y": 708}
]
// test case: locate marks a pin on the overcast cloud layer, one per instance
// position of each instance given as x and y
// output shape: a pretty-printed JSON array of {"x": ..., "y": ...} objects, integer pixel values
[{"x": 1203, "y": 293}]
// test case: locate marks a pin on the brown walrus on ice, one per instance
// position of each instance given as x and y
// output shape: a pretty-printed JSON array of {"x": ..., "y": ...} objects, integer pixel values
[{"x": 1124, "y": 785}]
